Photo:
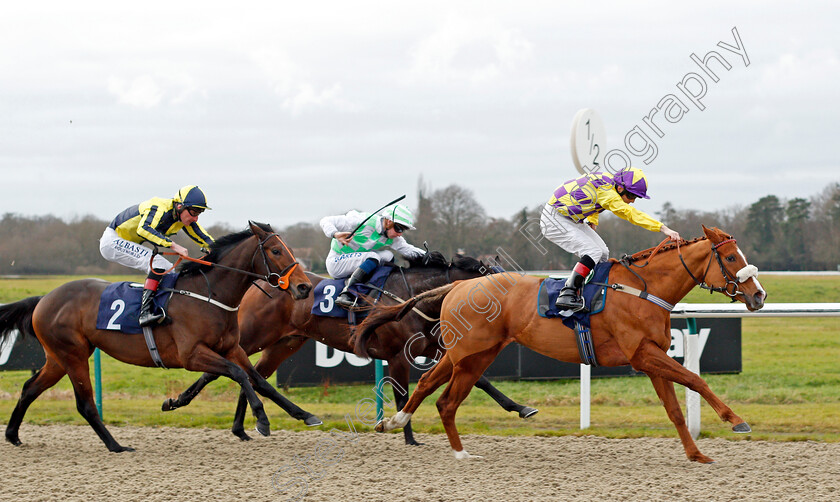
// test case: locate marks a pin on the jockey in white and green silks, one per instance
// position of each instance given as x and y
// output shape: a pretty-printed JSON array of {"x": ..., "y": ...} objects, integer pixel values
[{"x": 358, "y": 255}]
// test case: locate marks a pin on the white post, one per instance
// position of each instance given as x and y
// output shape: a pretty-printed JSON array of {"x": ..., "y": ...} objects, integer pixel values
[
  {"x": 585, "y": 371},
  {"x": 692, "y": 399}
]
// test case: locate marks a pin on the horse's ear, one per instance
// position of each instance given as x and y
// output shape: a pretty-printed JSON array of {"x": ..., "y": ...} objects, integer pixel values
[
  {"x": 259, "y": 232},
  {"x": 714, "y": 234}
]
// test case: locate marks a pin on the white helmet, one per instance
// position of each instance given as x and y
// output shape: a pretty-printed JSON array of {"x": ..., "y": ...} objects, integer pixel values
[{"x": 399, "y": 214}]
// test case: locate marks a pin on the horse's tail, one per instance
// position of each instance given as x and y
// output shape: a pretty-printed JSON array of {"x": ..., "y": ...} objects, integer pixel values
[
  {"x": 428, "y": 302},
  {"x": 18, "y": 316}
]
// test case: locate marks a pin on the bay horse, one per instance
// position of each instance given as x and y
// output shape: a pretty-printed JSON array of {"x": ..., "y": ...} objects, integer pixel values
[
  {"x": 279, "y": 326},
  {"x": 201, "y": 336},
  {"x": 630, "y": 330}
]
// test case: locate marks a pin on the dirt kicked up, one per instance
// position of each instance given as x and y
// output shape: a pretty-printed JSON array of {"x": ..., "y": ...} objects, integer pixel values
[{"x": 70, "y": 463}]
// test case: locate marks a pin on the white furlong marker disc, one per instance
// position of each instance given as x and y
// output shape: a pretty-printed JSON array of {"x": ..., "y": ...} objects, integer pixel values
[{"x": 589, "y": 141}]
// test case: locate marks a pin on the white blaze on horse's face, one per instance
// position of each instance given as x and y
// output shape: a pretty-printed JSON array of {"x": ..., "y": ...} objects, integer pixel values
[{"x": 749, "y": 272}]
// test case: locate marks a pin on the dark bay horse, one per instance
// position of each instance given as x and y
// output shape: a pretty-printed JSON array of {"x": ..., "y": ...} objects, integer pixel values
[
  {"x": 201, "y": 336},
  {"x": 279, "y": 326},
  {"x": 630, "y": 330}
]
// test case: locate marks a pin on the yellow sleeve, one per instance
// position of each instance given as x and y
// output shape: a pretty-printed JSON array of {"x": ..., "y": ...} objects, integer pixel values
[
  {"x": 150, "y": 214},
  {"x": 199, "y": 235},
  {"x": 610, "y": 200},
  {"x": 593, "y": 218}
]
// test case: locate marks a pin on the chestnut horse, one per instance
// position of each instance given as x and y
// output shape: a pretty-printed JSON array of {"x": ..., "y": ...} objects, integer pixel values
[
  {"x": 279, "y": 326},
  {"x": 201, "y": 336},
  {"x": 630, "y": 330}
]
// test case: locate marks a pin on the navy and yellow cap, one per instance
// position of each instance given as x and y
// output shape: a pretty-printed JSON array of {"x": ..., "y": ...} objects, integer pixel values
[{"x": 192, "y": 196}]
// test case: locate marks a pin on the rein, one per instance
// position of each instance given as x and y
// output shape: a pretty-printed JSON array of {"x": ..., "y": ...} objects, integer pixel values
[
  {"x": 730, "y": 288},
  {"x": 282, "y": 281}
]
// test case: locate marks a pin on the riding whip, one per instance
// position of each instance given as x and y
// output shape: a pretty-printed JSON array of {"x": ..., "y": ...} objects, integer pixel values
[{"x": 375, "y": 212}]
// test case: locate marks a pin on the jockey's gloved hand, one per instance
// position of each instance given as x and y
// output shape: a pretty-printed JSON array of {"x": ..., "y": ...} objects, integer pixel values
[{"x": 430, "y": 259}]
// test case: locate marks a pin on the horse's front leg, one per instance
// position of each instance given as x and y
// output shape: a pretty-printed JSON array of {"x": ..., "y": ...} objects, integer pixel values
[
  {"x": 665, "y": 391},
  {"x": 265, "y": 389},
  {"x": 398, "y": 370},
  {"x": 505, "y": 402},
  {"x": 188, "y": 395},
  {"x": 268, "y": 363},
  {"x": 204, "y": 359},
  {"x": 651, "y": 359}
]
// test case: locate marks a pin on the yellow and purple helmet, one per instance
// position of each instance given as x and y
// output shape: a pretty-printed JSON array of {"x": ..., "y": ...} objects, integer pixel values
[
  {"x": 633, "y": 180},
  {"x": 192, "y": 196}
]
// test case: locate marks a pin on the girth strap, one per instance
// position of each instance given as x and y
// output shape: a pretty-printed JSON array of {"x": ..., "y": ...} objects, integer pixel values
[
  {"x": 153, "y": 351},
  {"x": 586, "y": 349}
]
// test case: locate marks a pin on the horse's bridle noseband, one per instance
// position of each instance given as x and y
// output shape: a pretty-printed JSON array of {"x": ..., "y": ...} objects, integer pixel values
[
  {"x": 743, "y": 275},
  {"x": 283, "y": 277}
]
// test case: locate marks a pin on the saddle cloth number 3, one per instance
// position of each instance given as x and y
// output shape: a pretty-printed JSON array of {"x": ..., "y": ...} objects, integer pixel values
[{"x": 329, "y": 302}]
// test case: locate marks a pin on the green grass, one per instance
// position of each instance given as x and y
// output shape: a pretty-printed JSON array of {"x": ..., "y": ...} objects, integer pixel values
[{"x": 789, "y": 388}]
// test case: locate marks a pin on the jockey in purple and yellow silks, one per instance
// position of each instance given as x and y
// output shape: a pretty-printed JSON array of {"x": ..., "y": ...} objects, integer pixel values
[
  {"x": 154, "y": 221},
  {"x": 570, "y": 218}
]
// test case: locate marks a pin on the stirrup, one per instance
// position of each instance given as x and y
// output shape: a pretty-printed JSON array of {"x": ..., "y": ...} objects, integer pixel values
[
  {"x": 575, "y": 305},
  {"x": 341, "y": 301},
  {"x": 151, "y": 319}
]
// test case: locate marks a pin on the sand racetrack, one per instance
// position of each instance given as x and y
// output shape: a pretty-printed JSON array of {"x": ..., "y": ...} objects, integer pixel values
[{"x": 71, "y": 463}]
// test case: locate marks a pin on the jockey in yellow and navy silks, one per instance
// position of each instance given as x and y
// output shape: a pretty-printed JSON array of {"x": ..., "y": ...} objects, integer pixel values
[
  {"x": 154, "y": 221},
  {"x": 358, "y": 255},
  {"x": 570, "y": 218}
]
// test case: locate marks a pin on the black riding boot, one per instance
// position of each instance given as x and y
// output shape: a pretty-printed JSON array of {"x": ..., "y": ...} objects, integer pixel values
[
  {"x": 147, "y": 317},
  {"x": 569, "y": 298},
  {"x": 346, "y": 299}
]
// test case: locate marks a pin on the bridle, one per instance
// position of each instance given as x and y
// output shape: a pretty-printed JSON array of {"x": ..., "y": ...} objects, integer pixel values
[
  {"x": 282, "y": 280},
  {"x": 730, "y": 288},
  {"x": 743, "y": 275}
]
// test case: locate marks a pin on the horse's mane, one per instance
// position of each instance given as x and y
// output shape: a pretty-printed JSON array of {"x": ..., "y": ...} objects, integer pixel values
[
  {"x": 467, "y": 263},
  {"x": 219, "y": 248},
  {"x": 672, "y": 245},
  {"x": 438, "y": 261}
]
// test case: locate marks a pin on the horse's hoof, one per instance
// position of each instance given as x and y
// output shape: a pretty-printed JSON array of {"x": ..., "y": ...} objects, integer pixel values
[
  {"x": 741, "y": 428},
  {"x": 167, "y": 405},
  {"x": 240, "y": 433},
  {"x": 462, "y": 455},
  {"x": 380, "y": 426},
  {"x": 312, "y": 421},
  {"x": 120, "y": 449},
  {"x": 264, "y": 429},
  {"x": 528, "y": 412},
  {"x": 413, "y": 443},
  {"x": 15, "y": 441}
]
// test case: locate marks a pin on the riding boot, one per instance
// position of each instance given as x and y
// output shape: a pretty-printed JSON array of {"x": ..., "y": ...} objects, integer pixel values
[
  {"x": 346, "y": 299},
  {"x": 147, "y": 317},
  {"x": 569, "y": 298}
]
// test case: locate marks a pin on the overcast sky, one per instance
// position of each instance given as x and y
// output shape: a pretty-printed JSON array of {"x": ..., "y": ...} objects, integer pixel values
[{"x": 288, "y": 111}]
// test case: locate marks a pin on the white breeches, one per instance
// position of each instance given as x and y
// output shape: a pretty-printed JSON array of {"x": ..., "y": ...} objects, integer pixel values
[
  {"x": 577, "y": 238},
  {"x": 118, "y": 250},
  {"x": 340, "y": 266}
]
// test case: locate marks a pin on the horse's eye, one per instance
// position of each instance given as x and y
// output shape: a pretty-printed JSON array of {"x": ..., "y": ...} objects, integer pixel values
[
  {"x": 276, "y": 252},
  {"x": 730, "y": 258}
]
